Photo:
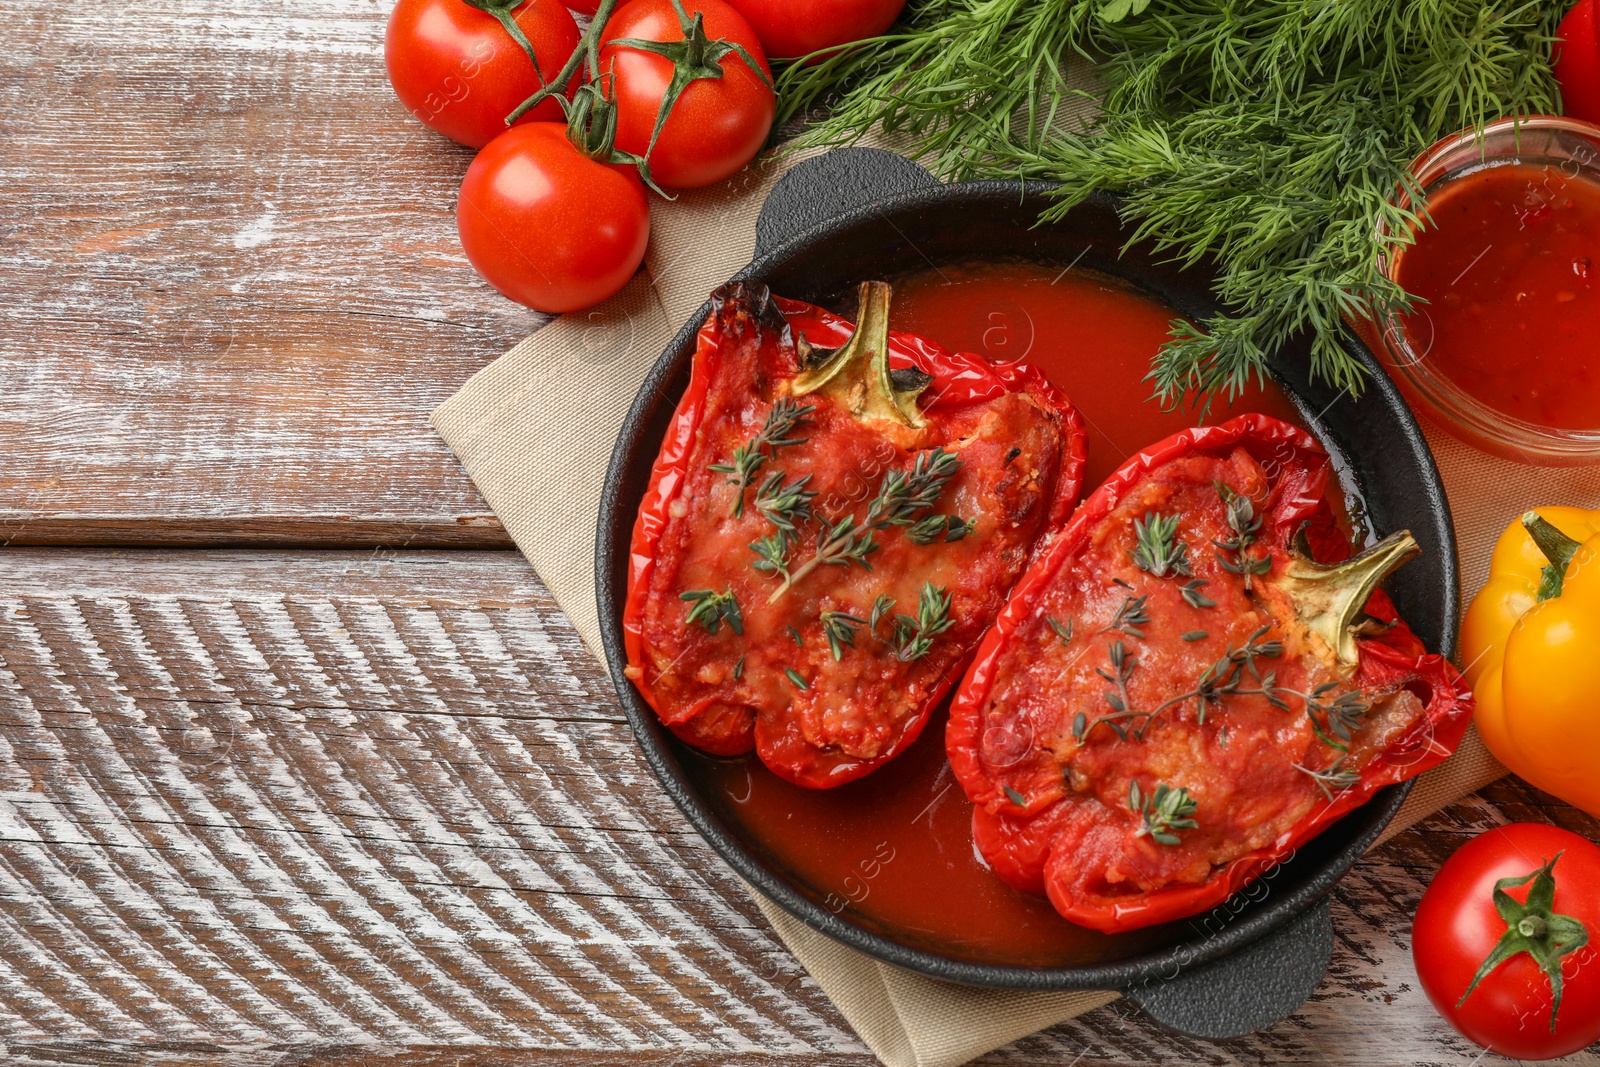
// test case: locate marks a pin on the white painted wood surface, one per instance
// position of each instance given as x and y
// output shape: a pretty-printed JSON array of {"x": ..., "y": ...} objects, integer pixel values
[{"x": 385, "y": 800}]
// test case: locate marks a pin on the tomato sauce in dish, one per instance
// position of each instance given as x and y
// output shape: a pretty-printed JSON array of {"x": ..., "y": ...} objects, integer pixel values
[
  {"x": 1508, "y": 268},
  {"x": 1091, "y": 335},
  {"x": 894, "y": 851}
]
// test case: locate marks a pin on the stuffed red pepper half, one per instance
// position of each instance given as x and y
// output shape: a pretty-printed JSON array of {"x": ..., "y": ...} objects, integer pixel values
[
  {"x": 834, "y": 519},
  {"x": 1191, "y": 682}
]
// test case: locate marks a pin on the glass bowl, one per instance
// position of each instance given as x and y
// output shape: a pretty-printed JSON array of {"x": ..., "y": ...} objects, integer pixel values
[{"x": 1569, "y": 150}]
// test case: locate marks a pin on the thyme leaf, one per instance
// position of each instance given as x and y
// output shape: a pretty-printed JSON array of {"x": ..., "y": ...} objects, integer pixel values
[
  {"x": 1163, "y": 811},
  {"x": 914, "y": 637},
  {"x": 710, "y": 609},
  {"x": 1193, "y": 596},
  {"x": 880, "y": 608},
  {"x": 782, "y": 504},
  {"x": 1157, "y": 550},
  {"x": 1063, "y": 632},
  {"x": 840, "y": 628}
]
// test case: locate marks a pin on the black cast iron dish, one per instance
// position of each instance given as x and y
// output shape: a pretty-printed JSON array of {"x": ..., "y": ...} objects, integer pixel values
[{"x": 860, "y": 213}]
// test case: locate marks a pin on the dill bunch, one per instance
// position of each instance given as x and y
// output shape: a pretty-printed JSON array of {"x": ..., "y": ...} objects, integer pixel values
[{"x": 1269, "y": 134}]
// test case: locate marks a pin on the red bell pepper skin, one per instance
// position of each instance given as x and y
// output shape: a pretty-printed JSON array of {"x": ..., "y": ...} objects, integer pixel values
[
  {"x": 1043, "y": 830},
  {"x": 1576, "y": 59},
  {"x": 843, "y": 715}
]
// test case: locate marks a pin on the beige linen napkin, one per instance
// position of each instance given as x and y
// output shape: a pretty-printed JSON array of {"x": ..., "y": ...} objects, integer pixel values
[{"x": 535, "y": 431}]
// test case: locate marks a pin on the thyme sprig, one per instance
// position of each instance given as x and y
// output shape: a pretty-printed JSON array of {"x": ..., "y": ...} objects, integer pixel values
[
  {"x": 785, "y": 505},
  {"x": 1163, "y": 811},
  {"x": 840, "y": 628},
  {"x": 880, "y": 608},
  {"x": 1132, "y": 614},
  {"x": 1267, "y": 137},
  {"x": 1063, "y": 631},
  {"x": 905, "y": 494},
  {"x": 1335, "y": 779},
  {"x": 839, "y": 545},
  {"x": 913, "y": 638},
  {"x": 901, "y": 497},
  {"x": 777, "y": 432},
  {"x": 1233, "y": 553},
  {"x": 772, "y": 554},
  {"x": 1157, "y": 550},
  {"x": 1193, "y": 596},
  {"x": 710, "y": 609}
]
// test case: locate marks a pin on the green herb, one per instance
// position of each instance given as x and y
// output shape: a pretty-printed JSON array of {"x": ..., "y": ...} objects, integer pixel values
[
  {"x": 794, "y": 676},
  {"x": 1268, "y": 136},
  {"x": 1534, "y": 927},
  {"x": 840, "y": 628},
  {"x": 1122, "y": 665},
  {"x": 738, "y": 669},
  {"x": 1195, "y": 635},
  {"x": 1194, "y": 597},
  {"x": 772, "y": 554},
  {"x": 784, "y": 505},
  {"x": 1335, "y": 779},
  {"x": 1164, "y": 810},
  {"x": 1063, "y": 632},
  {"x": 904, "y": 494},
  {"x": 914, "y": 637},
  {"x": 927, "y": 531},
  {"x": 880, "y": 608},
  {"x": 1157, "y": 550},
  {"x": 710, "y": 609},
  {"x": 1130, "y": 617},
  {"x": 794, "y": 635},
  {"x": 777, "y": 432},
  {"x": 1016, "y": 798},
  {"x": 1245, "y": 524},
  {"x": 838, "y": 545}
]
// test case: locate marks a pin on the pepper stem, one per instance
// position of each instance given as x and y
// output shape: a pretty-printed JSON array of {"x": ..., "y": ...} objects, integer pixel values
[
  {"x": 1329, "y": 598},
  {"x": 858, "y": 374},
  {"x": 1557, "y": 547}
]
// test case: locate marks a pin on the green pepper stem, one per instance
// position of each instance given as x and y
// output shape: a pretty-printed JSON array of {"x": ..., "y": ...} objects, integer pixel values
[
  {"x": 1329, "y": 598},
  {"x": 1557, "y": 547}
]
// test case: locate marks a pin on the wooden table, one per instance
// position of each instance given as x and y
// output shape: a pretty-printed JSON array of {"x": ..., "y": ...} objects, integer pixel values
[{"x": 299, "y": 762}]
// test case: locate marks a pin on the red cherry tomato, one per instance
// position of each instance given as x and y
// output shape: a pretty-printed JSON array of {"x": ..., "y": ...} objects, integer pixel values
[
  {"x": 1458, "y": 926},
  {"x": 718, "y": 124},
  {"x": 459, "y": 71},
  {"x": 1577, "y": 62},
  {"x": 584, "y": 7},
  {"x": 792, "y": 28},
  {"x": 548, "y": 226}
]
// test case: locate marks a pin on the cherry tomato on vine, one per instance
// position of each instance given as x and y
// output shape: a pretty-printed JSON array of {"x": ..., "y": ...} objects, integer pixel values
[
  {"x": 460, "y": 72},
  {"x": 584, "y": 7},
  {"x": 1576, "y": 56},
  {"x": 1512, "y": 920},
  {"x": 789, "y": 29},
  {"x": 548, "y": 226},
  {"x": 723, "y": 115}
]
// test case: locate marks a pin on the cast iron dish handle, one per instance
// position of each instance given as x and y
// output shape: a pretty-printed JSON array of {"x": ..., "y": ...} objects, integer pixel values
[{"x": 1249, "y": 990}]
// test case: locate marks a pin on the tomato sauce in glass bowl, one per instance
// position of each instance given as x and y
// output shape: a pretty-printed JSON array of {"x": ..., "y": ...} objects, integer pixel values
[{"x": 1503, "y": 344}]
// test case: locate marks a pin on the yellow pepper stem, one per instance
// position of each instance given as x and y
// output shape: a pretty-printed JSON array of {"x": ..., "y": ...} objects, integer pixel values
[{"x": 1557, "y": 547}]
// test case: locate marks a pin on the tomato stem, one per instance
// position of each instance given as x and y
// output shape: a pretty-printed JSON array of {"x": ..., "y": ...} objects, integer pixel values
[
  {"x": 588, "y": 49},
  {"x": 501, "y": 10},
  {"x": 1532, "y": 926}
]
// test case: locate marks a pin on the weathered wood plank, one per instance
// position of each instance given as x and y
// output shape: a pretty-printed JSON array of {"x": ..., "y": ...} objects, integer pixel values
[
  {"x": 354, "y": 807},
  {"x": 233, "y": 285}
]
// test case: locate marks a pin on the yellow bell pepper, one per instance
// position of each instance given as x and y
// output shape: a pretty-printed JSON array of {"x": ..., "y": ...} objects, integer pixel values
[{"x": 1530, "y": 646}]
